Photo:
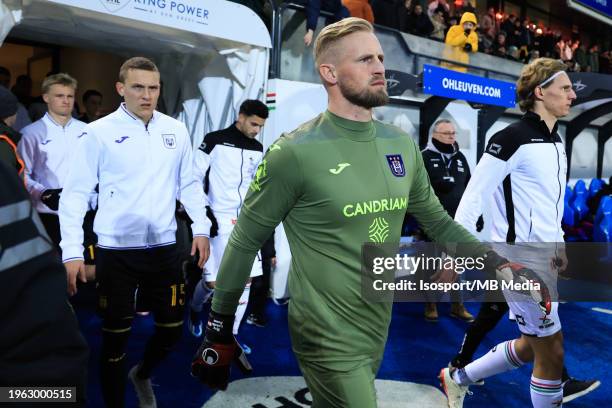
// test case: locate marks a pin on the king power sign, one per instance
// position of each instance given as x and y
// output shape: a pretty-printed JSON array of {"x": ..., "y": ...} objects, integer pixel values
[{"x": 206, "y": 17}]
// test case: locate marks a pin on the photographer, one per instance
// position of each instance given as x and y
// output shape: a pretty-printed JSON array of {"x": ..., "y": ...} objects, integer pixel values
[{"x": 461, "y": 40}]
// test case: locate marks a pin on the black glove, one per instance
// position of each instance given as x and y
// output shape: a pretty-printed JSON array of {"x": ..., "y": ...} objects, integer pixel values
[
  {"x": 479, "y": 224},
  {"x": 517, "y": 273},
  {"x": 214, "y": 225},
  {"x": 211, "y": 363},
  {"x": 467, "y": 47},
  {"x": 467, "y": 32},
  {"x": 51, "y": 198}
]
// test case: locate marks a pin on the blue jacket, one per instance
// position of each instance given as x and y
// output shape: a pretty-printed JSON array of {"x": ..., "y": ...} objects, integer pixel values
[{"x": 314, "y": 7}]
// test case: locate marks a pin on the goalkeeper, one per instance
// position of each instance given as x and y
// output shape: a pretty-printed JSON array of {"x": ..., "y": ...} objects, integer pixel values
[{"x": 336, "y": 182}]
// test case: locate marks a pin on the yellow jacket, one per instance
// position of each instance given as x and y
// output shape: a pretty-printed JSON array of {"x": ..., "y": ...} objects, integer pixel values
[{"x": 456, "y": 40}]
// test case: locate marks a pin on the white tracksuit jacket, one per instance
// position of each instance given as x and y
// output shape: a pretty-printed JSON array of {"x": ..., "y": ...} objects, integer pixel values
[{"x": 141, "y": 170}]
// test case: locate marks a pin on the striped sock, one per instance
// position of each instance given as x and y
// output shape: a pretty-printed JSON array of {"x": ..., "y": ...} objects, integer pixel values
[
  {"x": 499, "y": 359},
  {"x": 546, "y": 393}
]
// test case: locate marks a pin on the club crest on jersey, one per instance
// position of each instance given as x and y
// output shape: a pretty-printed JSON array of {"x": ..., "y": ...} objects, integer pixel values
[
  {"x": 396, "y": 164},
  {"x": 169, "y": 141}
]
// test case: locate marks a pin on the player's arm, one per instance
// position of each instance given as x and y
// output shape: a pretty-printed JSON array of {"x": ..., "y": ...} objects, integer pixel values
[
  {"x": 494, "y": 166},
  {"x": 274, "y": 191},
  {"x": 79, "y": 186},
  {"x": 202, "y": 158},
  {"x": 27, "y": 149},
  {"x": 191, "y": 195},
  {"x": 455, "y": 37},
  {"x": 442, "y": 229}
]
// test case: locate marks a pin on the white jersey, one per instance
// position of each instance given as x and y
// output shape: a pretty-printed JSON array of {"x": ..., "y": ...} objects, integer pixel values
[
  {"x": 141, "y": 171},
  {"x": 225, "y": 164},
  {"x": 522, "y": 175},
  {"x": 47, "y": 149}
]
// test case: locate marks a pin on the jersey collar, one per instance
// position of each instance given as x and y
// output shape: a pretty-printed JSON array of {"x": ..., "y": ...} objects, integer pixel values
[
  {"x": 124, "y": 108},
  {"x": 534, "y": 118},
  {"x": 358, "y": 131},
  {"x": 50, "y": 119}
]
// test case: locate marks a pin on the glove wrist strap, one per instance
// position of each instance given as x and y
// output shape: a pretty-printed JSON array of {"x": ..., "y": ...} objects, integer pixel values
[{"x": 219, "y": 328}]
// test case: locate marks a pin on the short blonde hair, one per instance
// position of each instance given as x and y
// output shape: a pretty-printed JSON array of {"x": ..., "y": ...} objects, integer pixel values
[
  {"x": 58, "y": 79},
  {"x": 142, "y": 63},
  {"x": 534, "y": 74},
  {"x": 331, "y": 34}
]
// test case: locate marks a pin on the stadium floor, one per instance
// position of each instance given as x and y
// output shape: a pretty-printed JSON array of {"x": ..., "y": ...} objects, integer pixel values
[{"x": 415, "y": 352}]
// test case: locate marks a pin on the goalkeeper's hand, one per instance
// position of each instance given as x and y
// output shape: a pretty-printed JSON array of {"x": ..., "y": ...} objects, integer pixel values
[
  {"x": 212, "y": 362},
  {"x": 519, "y": 274}
]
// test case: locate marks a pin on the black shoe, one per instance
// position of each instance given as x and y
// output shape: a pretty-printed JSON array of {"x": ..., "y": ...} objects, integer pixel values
[
  {"x": 574, "y": 388},
  {"x": 255, "y": 320}
]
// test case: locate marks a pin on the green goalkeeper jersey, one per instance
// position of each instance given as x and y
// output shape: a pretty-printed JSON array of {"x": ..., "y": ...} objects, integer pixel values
[{"x": 335, "y": 184}]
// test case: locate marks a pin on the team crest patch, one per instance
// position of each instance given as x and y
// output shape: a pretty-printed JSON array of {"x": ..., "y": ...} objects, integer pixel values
[
  {"x": 396, "y": 164},
  {"x": 169, "y": 141}
]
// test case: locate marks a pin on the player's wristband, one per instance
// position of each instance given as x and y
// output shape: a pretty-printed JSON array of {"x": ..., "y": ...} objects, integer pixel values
[
  {"x": 219, "y": 328},
  {"x": 492, "y": 260}
]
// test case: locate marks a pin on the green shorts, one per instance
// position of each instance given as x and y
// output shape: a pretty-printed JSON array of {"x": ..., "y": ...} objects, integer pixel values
[{"x": 343, "y": 386}]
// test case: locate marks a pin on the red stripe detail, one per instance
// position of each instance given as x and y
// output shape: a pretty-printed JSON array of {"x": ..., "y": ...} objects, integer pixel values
[
  {"x": 513, "y": 354},
  {"x": 551, "y": 386},
  {"x": 271, "y": 94}
]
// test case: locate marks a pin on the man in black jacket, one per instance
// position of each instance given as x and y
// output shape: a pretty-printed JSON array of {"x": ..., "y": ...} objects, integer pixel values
[
  {"x": 449, "y": 174},
  {"x": 41, "y": 345},
  {"x": 9, "y": 137}
]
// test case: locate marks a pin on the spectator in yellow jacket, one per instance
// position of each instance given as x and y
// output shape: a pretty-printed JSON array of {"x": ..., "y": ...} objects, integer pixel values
[{"x": 461, "y": 39}]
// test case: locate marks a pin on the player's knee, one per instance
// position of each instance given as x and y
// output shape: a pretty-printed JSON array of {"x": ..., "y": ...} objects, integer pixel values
[
  {"x": 523, "y": 350},
  {"x": 210, "y": 285},
  {"x": 557, "y": 354},
  {"x": 115, "y": 334}
]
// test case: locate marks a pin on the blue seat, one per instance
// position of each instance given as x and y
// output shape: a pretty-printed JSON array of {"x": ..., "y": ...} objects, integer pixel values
[
  {"x": 579, "y": 201},
  {"x": 605, "y": 208},
  {"x": 602, "y": 232},
  {"x": 580, "y": 187},
  {"x": 595, "y": 185},
  {"x": 569, "y": 215},
  {"x": 569, "y": 194}
]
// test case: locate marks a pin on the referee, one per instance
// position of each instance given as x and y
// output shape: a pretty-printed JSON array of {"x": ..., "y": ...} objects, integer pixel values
[{"x": 142, "y": 161}]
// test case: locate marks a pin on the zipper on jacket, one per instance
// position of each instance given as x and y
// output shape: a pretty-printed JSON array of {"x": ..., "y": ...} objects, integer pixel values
[
  {"x": 148, "y": 136},
  {"x": 530, "y": 224},
  {"x": 559, "y": 182}
]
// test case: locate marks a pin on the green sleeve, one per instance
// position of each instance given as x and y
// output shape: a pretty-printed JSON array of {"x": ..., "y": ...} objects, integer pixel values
[
  {"x": 437, "y": 224},
  {"x": 272, "y": 194}
]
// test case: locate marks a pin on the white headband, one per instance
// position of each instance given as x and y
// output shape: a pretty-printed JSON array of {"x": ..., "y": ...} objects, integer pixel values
[{"x": 550, "y": 79}]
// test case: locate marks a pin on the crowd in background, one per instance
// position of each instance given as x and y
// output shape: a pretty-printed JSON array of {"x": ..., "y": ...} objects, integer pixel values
[{"x": 500, "y": 34}]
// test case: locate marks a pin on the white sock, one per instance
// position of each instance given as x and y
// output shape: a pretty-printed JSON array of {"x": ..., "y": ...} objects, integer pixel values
[
  {"x": 546, "y": 393},
  {"x": 499, "y": 359},
  {"x": 242, "y": 305},
  {"x": 201, "y": 294}
]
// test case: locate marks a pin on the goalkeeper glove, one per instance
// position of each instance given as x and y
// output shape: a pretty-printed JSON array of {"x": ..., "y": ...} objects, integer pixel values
[
  {"x": 518, "y": 274},
  {"x": 211, "y": 363}
]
